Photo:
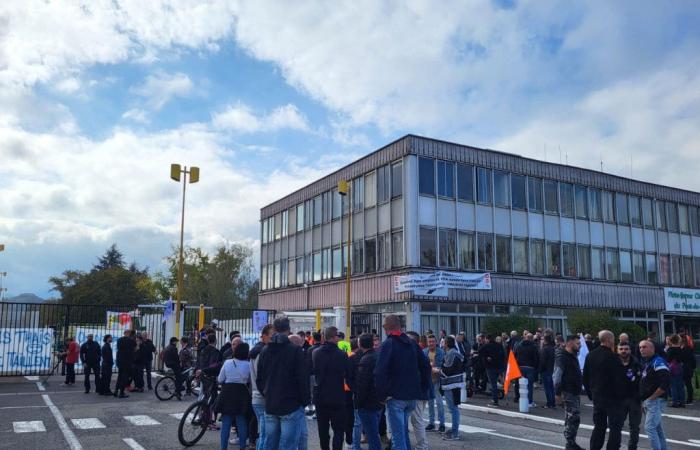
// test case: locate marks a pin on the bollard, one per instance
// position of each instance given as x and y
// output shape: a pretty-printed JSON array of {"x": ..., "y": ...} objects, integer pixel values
[
  {"x": 524, "y": 404},
  {"x": 463, "y": 394}
]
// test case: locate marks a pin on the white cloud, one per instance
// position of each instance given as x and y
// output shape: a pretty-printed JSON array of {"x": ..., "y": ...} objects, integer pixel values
[
  {"x": 137, "y": 115},
  {"x": 160, "y": 87},
  {"x": 68, "y": 85},
  {"x": 242, "y": 119}
]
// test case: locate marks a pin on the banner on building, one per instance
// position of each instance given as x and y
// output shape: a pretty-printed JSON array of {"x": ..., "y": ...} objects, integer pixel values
[
  {"x": 437, "y": 283},
  {"x": 25, "y": 349},
  {"x": 260, "y": 319},
  {"x": 682, "y": 300},
  {"x": 117, "y": 322}
]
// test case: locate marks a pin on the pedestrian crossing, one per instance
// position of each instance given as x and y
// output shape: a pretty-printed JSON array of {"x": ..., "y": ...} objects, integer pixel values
[{"x": 89, "y": 423}]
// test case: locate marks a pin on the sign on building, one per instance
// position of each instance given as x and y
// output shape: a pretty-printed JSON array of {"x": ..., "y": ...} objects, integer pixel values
[
  {"x": 437, "y": 283},
  {"x": 682, "y": 300}
]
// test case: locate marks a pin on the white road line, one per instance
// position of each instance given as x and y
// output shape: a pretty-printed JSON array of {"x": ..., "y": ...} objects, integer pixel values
[
  {"x": 87, "y": 424},
  {"x": 178, "y": 416},
  {"x": 68, "y": 434},
  {"x": 31, "y": 426},
  {"x": 133, "y": 444},
  {"x": 540, "y": 443},
  {"x": 32, "y": 378},
  {"x": 40, "y": 386},
  {"x": 22, "y": 407},
  {"x": 141, "y": 420},
  {"x": 673, "y": 416}
]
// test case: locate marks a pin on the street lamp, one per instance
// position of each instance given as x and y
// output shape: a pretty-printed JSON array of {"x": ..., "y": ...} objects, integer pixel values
[
  {"x": 178, "y": 173},
  {"x": 344, "y": 190}
]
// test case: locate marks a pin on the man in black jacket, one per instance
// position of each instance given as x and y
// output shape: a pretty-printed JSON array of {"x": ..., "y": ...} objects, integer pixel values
[
  {"x": 567, "y": 388},
  {"x": 604, "y": 380},
  {"x": 528, "y": 357},
  {"x": 493, "y": 358},
  {"x": 209, "y": 358},
  {"x": 125, "y": 358},
  {"x": 90, "y": 357},
  {"x": 631, "y": 403},
  {"x": 331, "y": 369},
  {"x": 283, "y": 381},
  {"x": 316, "y": 336},
  {"x": 171, "y": 360},
  {"x": 107, "y": 364},
  {"x": 369, "y": 409},
  {"x": 547, "y": 368},
  {"x": 148, "y": 351}
]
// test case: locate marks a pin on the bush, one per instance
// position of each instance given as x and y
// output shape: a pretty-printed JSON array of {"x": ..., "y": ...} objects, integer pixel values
[
  {"x": 505, "y": 324},
  {"x": 593, "y": 321}
]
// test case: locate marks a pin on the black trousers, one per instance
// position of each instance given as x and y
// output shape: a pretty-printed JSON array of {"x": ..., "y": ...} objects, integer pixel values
[
  {"x": 105, "y": 380},
  {"x": 138, "y": 377},
  {"x": 70, "y": 373},
  {"x": 607, "y": 414},
  {"x": 333, "y": 416},
  {"x": 123, "y": 377},
  {"x": 632, "y": 410},
  {"x": 688, "y": 380},
  {"x": 349, "y": 418},
  {"x": 149, "y": 368},
  {"x": 95, "y": 370}
]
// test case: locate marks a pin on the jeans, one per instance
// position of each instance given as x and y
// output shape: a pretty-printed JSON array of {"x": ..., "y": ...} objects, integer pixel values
[
  {"x": 652, "y": 423},
  {"x": 260, "y": 415},
  {"x": 548, "y": 384},
  {"x": 70, "y": 373},
  {"x": 370, "y": 423},
  {"x": 87, "y": 370},
  {"x": 282, "y": 432},
  {"x": 303, "y": 435},
  {"x": 399, "y": 412},
  {"x": 440, "y": 406},
  {"x": 530, "y": 373},
  {"x": 333, "y": 417},
  {"x": 418, "y": 425},
  {"x": 607, "y": 414},
  {"x": 632, "y": 409},
  {"x": 241, "y": 424},
  {"x": 493, "y": 379},
  {"x": 454, "y": 409},
  {"x": 356, "y": 432},
  {"x": 677, "y": 390}
]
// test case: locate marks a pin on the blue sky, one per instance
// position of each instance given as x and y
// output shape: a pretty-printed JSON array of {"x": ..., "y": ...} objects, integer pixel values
[{"x": 98, "y": 98}]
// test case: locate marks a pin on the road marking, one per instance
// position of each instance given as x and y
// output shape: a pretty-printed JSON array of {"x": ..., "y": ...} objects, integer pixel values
[
  {"x": 133, "y": 444},
  {"x": 22, "y": 407},
  {"x": 68, "y": 434},
  {"x": 32, "y": 378},
  {"x": 31, "y": 426},
  {"x": 141, "y": 420},
  {"x": 178, "y": 416},
  {"x": 673, "y": 416},
  {"x": 540, "y": 443},
  {"x": 87, "y": 424},
  {"x": 40, "y": 386},
  {"x": 694, "y": 441}
]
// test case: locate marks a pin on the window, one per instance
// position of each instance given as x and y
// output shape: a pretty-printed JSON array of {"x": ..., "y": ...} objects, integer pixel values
[
  {"x": 264, "y": 231},
  {"x": 445, "y": 179},
  {"x": 337, "y": 262},
  {"x": 278, "y": 226},
  {"x": 553, "y": 259},
  {"x": 397, "y": 179},
  {"x": 676, "y": 270},
  {"x": 358, "y": 194},
  {"x": 595, "y": 204},
  {"x": 647, "y": 213},
  {"x": 566, "y": 192},
  {"x": 664, "y": 270},
  {"x": 346, "y": 263},
  {"x": 318, "y": 210},
  {"x": 652, "y": 275},
  {"x": 687, "y": 271},
  {"x": 503, "y": 254},
  {"x": 568, "y": 252},
  {"x": 612, "y": 266},
  {"x": 537, "y": 258},
  {"x": 626, "y": 273},
  {"x": 384, "y": 252},
  {"x": 485, "y": 251},
  {"x": 308, "y": 268},
  {"x": 584, "y": 261},
  {"x": 465, "y": 182},
  {"x": 383, "y": 184},
  {"x": 327, "y": 206},
  {"x": 608, "y": 207},
  {"x": 428, "y": 252},
  {"x": 426, "y": 176},
  {"x": 518, "y": 191},
  {"x": 300, "y": 270},
  {"x": 263, "y": 278},
  {"x": 638, "y": 267},
  {"x": 466, "y": 251},
  {"x": 672, "y": 216},
  {"x": 520, "y": 255},
  {"x": 551, "y": 204},
  {"x": 683, "y": 219},
  {"x": 326, "y": 263},
  {"x": 285, "y": 223},
  {"x": 694, "y": 222},
  {"x": 448, "y": 248},
  {"x": 597, "y": 263},
  {"x": 372, "y": 190},
  {"x": 635, "y": 211},
  {"x": 370, "y": 255},
  {"x": 483, "y": 185},
  {"x": 277, "y": 275},
  {"x": 397, "y": 249},
  {"x": 622, "y": 212},
  {"x": 696, "y": 260},
  {"x": 581, "y": 202},
  {"x": 337, "y": 204},
  {"x": 501, "y": 189},
  {"x": 661, "y": 214},
  {"x": 357, "y": 257},
  {"x": 534, "y": 194},
  {"x": 317, "y": 266}
]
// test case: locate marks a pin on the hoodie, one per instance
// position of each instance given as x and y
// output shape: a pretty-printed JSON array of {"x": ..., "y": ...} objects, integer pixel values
[
  {"x": 402, "y": 371},
  {"x": 282, "y": 378}
]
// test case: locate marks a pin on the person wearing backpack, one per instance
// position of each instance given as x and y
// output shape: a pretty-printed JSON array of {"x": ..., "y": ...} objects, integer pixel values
[{"x": 674, "y": 358}]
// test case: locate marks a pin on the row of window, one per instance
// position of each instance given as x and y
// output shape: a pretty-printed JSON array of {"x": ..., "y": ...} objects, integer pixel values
[
  {"x": 493, "y": 187},
  {"x": 367, "y": 191},
  {"x": 454, "y": 249},
  {"x": 370, "y": 255}
]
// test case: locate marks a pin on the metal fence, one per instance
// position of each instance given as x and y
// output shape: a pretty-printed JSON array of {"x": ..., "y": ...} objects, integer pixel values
[{"x": 32, "y": 335}]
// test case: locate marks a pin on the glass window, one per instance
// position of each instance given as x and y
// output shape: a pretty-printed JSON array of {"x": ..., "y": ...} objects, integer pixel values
[
  {"x": 566, "y": 194},
  {"x": 448, "y": 248},
  {"x": 683, "y": 219},
  {"x": 622, "y": 211},
  {"x": 278, "y": 226},
  {"x": 426, "y": 176},
  {"x": 263, "y": 278},
  {"x": 687, "y": 271},
  {"x": 346, "y": 252},
  {"x": 397, "y": 249},
  {"x": 326, "y": 261},
  {"x": 337, "y": 204},
  {"x": 568, "y": 252},
  {"x": 337, "y": 262},
  {"x": 664, "y": 270},
  {"x": 501, "y": 194},
  {"x": 652, "y": 275},
  {"x": 485, "y": 251},
  {"x": 595, "y": 204},
  {"x": 534, "y": 194},
  {"x": 317, "y": 266},
  {"x": 428, "y": 247},
  {"x": 300, "y": 270},
  {"x": 661, "y": 214},
  {"x": 584, "y": 261},
  {"x": 647, "y": 213},
  {"x": 264, "y": 231},
  {"x": 696, "y": 260},
  {"x": 676, "y": 270},
  {"x": 518, "y": 191},
  {"x": 635, "y": 211},
  {"x": 384, "y": 252},
  {"x": 384, "y": 184},
  {"x": 277, "y": 275},
  {"x": 694, "y": 222},
  {"x": 626, "y": 273},
  {"x": 445, "y": 179},
  {"x": 612, "y": 265},
  {"x": 327, "y": 207},
  {"x": 357, "y": 260},
  {"x": 597, "y": 263},
  {"x": 581, "y": 202},
  {"x": 308, "y": 268},
  {"x": 371, "y": 188},
  {"x": 503, "y": 254},
  {"x": 483, "y": 185},
  {"x": 638, "y": 267},
  {"x": 551, "y": 204},
  {"x": 466, "y": 251},
  {"x": 520, "y": 255},
  {"x": 318, "y": 217},
  {"x": 553, "y": 259},
  {"x": 672, "y": 216},
  {"x": 465, "y": 182},
  {"x": 370, "y": 255},
  {"x": 396, "y": 179},
  {"x": 358, "y": 195},
  {"x": 285, "y": 223},
  {"x": 608, "y": 207},
  {"x": 537, "y": 263}
]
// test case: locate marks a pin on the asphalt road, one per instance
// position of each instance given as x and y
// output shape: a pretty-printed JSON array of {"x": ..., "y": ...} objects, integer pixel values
[{"x": 61, "y": 417}]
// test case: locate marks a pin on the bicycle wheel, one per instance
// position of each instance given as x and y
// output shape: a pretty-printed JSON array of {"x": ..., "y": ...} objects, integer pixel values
[
  {"x": 193, "y": 424},
  {"x": 165, "y": 388}
]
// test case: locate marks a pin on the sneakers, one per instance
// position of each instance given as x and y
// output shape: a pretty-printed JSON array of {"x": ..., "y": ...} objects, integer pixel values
[
  {"x": 533, "y": 405},
  {"x": 441, "y": 429},
  {"x": 493, "y": 403},
  {"x": 449, "y": 437},
  {"x": 430, "y": 427},
  {"x": 573, "y": 446}
]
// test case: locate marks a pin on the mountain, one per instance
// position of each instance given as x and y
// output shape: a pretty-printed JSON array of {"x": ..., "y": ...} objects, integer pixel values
[{"x": 25, "y": 298}]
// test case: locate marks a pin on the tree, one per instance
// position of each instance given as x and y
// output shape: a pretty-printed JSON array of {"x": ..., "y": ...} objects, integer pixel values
[
  {"x": 112, "y": 258},
  {"x": 593, "y": 321},
  {"x": 505, "y": 324}
]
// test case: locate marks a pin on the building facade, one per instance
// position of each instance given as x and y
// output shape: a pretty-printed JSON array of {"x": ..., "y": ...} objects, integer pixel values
[{"x": 552, "y": 237}]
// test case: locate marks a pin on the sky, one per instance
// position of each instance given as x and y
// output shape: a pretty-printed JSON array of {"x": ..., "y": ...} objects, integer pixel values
[{"x": 98, "y": 98}]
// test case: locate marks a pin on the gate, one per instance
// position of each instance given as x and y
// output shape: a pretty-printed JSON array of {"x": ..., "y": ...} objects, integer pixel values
[{"x": 363, "y": 322}]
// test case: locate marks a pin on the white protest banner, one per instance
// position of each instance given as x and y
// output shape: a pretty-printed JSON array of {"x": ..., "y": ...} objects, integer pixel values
[
  {"x": 25, "y": 349},
  {"x": 117, "y": 322},
  {"x": 437, "y": 283},
  {"x": 98, "y": 335},
  {"x": 260, "y": 319}
]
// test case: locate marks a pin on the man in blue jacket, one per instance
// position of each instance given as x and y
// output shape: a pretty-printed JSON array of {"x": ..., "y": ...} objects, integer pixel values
[
  {"x": 436, "y": 355},
  {"x": 401, "y": 376}
]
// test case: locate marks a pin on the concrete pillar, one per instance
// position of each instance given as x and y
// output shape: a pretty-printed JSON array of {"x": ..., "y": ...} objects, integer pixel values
[{"x": 339, "y": 312}]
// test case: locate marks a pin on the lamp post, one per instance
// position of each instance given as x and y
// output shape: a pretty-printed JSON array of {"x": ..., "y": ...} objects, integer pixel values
[
  {"x": 344, "y": 190},
  {"x": 178, "y": 173}
]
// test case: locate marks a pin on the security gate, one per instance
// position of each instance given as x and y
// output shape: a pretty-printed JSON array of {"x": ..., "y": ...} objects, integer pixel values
[{"x": 363, "y": 322}]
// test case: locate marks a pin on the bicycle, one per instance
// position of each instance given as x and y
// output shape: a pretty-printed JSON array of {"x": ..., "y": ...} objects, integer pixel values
[
  {"x": 199, "y": 415},
  {"x": 165, "y": 387}
]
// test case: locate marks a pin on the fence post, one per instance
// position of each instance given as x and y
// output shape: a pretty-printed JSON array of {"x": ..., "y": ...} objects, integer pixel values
[{"x": 66, "y": 322}]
